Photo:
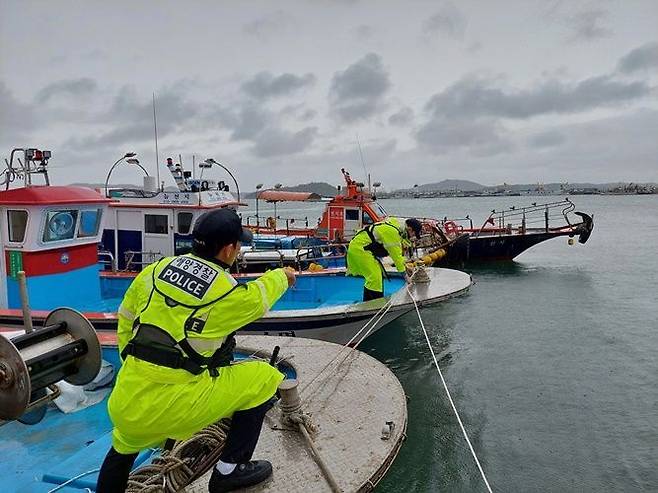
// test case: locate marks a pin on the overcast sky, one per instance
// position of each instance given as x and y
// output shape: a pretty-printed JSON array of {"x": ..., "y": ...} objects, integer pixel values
[{"x": 491, "y": 91}]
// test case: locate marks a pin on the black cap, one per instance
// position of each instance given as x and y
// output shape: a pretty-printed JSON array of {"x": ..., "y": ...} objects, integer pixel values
[
  {"x": 217, "y": 228},
  {"x": 415, "y": 225}
]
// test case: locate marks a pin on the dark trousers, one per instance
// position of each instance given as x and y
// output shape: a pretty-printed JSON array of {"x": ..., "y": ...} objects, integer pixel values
[
  {"x": 113, "y": 477},
  {"x": 240, "y": 445},
  {"x": 369, "y": 294}
]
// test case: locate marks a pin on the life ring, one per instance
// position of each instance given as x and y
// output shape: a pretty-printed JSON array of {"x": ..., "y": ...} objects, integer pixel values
[{"x": 451, "y": 227}]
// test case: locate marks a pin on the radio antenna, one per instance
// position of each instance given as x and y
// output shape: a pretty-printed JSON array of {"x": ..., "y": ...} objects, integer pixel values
[
  {"x": 157, "y": 157},
  {"x": 363, "y": 162}
]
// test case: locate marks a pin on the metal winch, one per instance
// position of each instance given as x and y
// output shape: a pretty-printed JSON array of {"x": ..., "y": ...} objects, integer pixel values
[{"x": 65, "y": 348}]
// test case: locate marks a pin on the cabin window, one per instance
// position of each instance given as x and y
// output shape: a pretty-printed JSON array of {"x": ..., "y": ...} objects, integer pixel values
[
  {"x": 351, "y": 214},
  {"x": 367, "y": 219},
  {"x": 156, "y": 224},
  {"x": 184, "y": 222},
  {"x": 17, "y": 221},
  {"x": 379, "y": 209},
  {"x": 90, "y": 221},
  {"x": 60, "y": 225}
]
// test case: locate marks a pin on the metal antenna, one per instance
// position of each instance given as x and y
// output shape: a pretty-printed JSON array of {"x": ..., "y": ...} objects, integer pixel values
[
  {"x": 363, "y": 162},
  {"x": 157, "y": 157}
]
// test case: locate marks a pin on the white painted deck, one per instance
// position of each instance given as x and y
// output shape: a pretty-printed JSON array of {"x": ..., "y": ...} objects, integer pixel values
[{"x": 349, "y": 404}]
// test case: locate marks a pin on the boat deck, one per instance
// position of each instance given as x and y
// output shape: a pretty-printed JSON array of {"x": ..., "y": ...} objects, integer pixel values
[{"x": 350, "y": 405}]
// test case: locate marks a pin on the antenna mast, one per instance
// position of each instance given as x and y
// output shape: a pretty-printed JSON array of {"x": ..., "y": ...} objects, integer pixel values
[
  {"x": 157, "y": 157},
  {"x": 363, "y": 163}
]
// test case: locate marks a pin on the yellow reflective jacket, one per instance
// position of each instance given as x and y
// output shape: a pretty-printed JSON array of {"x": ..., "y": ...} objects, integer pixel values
[
  {"x": 389, "y": 234},
  {"x": 197, "y": 303}
]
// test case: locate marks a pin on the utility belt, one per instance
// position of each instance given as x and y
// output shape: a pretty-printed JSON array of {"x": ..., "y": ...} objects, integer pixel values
[{"x": 154, "y": 345}]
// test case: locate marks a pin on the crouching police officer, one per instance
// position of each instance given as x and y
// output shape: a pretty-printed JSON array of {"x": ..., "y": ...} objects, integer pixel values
[
  {"x": 374, "y": 242},
  {"x": 176, "y": 326}
]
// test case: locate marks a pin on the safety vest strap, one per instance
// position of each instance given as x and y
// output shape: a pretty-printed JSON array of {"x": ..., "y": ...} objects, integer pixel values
[
  {"x": 375, "y": 247},
  {"x": 167, "y": 357},
  {"x": 154, "y": 345}
]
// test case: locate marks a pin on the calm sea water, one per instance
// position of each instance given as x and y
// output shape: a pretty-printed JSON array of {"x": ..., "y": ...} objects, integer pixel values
[{"x": 552, "y": 361}]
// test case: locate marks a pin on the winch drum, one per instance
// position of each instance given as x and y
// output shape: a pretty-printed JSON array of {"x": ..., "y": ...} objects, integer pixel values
[{"x": 65, "y": 348}]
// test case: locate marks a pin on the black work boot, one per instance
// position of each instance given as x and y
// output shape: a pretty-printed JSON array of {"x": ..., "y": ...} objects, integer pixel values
[{"x": 243, "y": 475}]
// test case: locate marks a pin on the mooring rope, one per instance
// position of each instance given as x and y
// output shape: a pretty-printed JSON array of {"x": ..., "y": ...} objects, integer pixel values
[
  {"x": 445, "y": 386},
  {"x": 75, "y": 478},
  {"x": 370, "y": 324},
  {"x": 186, "y": 462}
]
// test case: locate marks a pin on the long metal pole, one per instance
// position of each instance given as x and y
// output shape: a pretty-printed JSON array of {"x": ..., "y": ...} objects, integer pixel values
[
  {"x": 157, "y": 157},
  {"x": 25, "y": 302}
]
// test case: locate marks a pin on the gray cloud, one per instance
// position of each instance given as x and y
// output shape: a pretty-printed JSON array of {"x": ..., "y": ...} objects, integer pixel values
[
  {"x": 363, "y": 32},
  {"x": 262, "y": 128},
  {"x": 16, "y": 118},
  {"x": 278, "y": 142},
  {"x": 96, "y": 55},
  {"x": 269, "y": 24},
  {"x": 247, "y": 122},
  {"x": 402, "y": 117},
  {"x": 448, "y": 21},
  {"x": 299, "y": 112},
  {"x": 120, "y": 137},
  {"x": 480, "y": 137},
  {"x": 358, "y": 91},
  {"x": 473, "y": 97},
  {"x": 264, "y": 85},
  {"x": 172, "y": 105},
  {"x": 550, "y": 138},
  {"x": 644, "y": 57},
  {"x": 73, "y": 87},
  {"x": 475, "y": 47},
  {"x": 130, "y": 117},
  {"x": 588, "y": 25}
]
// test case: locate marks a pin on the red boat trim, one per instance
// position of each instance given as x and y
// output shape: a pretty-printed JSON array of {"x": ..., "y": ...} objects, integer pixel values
[{"x": 51, "y": 195}]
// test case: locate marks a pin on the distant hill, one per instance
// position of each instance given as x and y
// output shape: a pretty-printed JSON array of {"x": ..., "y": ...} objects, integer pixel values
[
  {"x": 470, "y": 186},
  {"x": 445, "y": 185},
  {"x": 321, "y": 188}
]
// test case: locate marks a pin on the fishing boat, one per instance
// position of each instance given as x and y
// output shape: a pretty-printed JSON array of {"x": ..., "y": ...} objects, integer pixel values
[
  {"x": 56, "y": 431},
  {"x": 503, "y": 235},
  {"x": 149, "y": 223},
  {"x": 52, "y": 234}
]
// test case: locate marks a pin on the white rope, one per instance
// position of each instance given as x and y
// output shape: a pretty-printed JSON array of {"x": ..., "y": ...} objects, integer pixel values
[
  {"x": 69, "y": 481},
  {"x": 454, "y": 408},
  {"x": 372, "y": 322}
]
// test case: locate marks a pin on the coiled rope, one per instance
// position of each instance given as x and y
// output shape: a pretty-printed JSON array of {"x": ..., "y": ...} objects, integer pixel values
[
  {"x": 186, "y": 462},
  {"x": 445, "y": 386}
]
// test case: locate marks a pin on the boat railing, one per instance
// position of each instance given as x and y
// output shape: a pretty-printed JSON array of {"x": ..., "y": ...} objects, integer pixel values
[
  {"x": 516, "y": 219},
  {"x": 107, "y": 258},
  {"x": 312, "y": 253},
  {"x": 135, "y": 259},
  {"x": 243, "y": 261},
  {"x": 272, "y": 223}
]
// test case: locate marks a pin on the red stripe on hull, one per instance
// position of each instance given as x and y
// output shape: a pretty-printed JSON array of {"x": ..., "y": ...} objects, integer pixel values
[{"x": 58, "y": 261}]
